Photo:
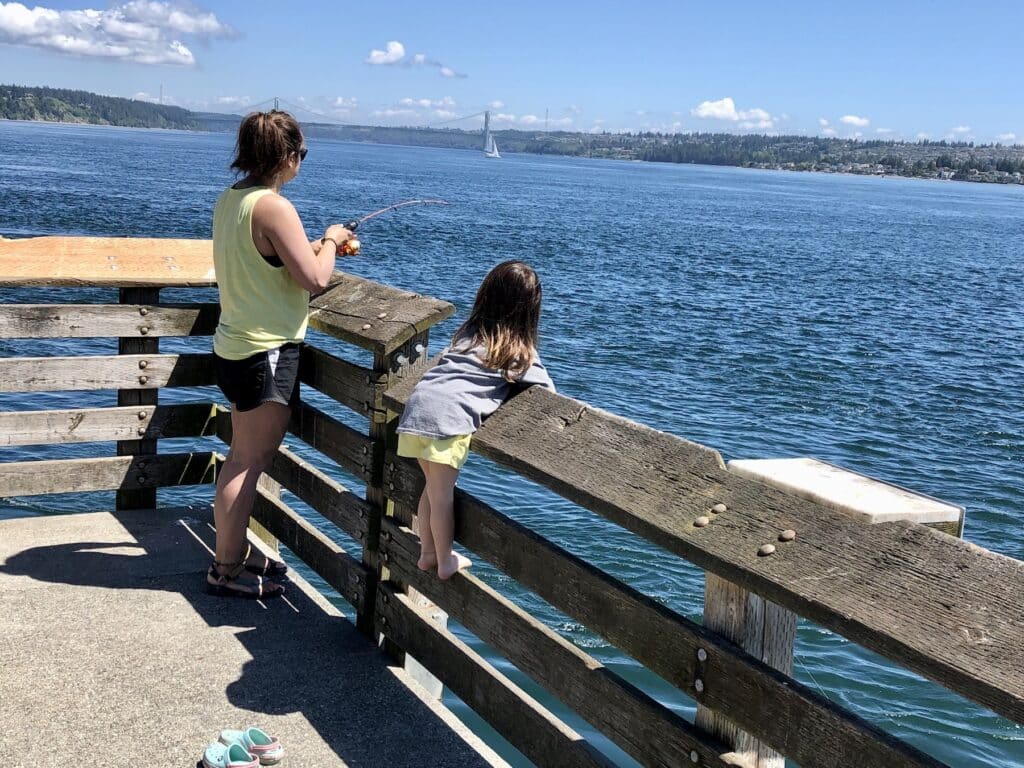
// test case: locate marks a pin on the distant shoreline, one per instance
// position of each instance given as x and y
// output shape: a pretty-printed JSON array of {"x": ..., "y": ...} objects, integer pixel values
[{"x": 316, "y": 130}]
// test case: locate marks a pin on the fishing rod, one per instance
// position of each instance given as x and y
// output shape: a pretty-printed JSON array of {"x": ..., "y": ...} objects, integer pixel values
[{"x": 351, "y": 246}]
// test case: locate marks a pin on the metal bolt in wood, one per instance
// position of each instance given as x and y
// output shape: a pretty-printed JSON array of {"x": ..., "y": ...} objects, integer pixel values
[
  {"x": 142, "y": 414},
  {"x": 787, "y": 535},
  {"x": 694, "y": 757},
  {"x": 698, "y": 685},
  {"x": 382, "y": 315},
  {"x": 702, "y": 655},
  {"x": 142, "y": 479},
  {"x": 143, "y": 379},
  {"x": 766, "y": 549},
  {"x": 143, "y": 364},
  {"x": 143, "y": 311},
  {"x": 142, "y": 430},
  {"x": 701, "y": 521},
  {"x": 366, "y": 327},
  {"x": 719, "y": 509},
  {"x": 144, "y": 330}
]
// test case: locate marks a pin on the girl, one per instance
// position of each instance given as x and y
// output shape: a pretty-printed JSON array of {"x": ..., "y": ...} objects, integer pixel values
[
  {"x": 266, "y": 270},
  {"x": 492, "y": 355}
]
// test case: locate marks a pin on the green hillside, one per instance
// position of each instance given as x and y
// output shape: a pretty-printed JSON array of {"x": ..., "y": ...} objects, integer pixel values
[{"x": 66, "y": 106}]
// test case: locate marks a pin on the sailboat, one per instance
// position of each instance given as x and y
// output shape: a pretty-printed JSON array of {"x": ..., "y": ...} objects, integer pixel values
[{"x": 490, "y": 146}]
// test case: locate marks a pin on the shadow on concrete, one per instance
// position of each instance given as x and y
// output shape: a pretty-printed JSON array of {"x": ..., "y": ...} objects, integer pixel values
[{"x": 300, "y": 658}]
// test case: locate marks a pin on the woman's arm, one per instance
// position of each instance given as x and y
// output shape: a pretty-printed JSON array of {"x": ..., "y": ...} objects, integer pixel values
[{"x": 276, "y": 227}]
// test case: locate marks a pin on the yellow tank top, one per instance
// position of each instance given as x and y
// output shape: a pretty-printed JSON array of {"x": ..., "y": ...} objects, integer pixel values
[{"x": 261, "y": 306}]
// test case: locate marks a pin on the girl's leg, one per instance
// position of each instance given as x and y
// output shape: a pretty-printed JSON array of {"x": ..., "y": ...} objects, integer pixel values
[
  {"x": 441, "y": 490},
  {"x": 428, "y": 552},
  {"x": 256, "y": 436}
]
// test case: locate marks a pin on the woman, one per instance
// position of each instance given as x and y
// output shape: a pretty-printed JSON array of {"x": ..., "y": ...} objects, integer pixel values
[{"x": 266, "y": 270}]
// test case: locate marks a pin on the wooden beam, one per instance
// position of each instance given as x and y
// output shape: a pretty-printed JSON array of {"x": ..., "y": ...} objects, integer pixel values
[
  {"x": 645, "y": 729},
  {"x": 85, "y": 425},
  {"x": 35, "y": 478},
  {"x": 374, "y": 316},
  {"x": 528, "y": 726},
  {"x": 146, "y": 371},
  {"x": 350, "y": 449},
  {"x": 328, "y": 497},
  {"x": 57, "y": 321},
  {"x": 668, "y": 644},
  {"x": 348, "y": 383},
  {"x": 928, "y": 614},
  {"x": 335, "y": 566}
]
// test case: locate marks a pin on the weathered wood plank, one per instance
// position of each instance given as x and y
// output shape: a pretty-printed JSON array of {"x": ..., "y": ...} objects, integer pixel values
[
  {"x": 57, "y": 321},
  {"x": 528, "y": 726},
  {"x": 351, "y": 303},
  {"x": 640, "y": 725},
  {"x": 350, "y": 449},
  {"x": 329, "y": 498},
  {"x": 668, "y": 644},
  {"x": 348, "y": 383},
  {"x": 106, "y": 261},
  {"x": 106, "y": 424},
  {"x": 926, "y": 613},
  {"x": 51, "y": 374},
  {"x": 335, "y": 566},
  {"x": 133, "y": 396},
  {"x": 35, "y": 478}
]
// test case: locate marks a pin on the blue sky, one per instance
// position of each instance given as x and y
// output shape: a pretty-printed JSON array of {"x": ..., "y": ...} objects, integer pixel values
[{"x": 898, "y": 69}]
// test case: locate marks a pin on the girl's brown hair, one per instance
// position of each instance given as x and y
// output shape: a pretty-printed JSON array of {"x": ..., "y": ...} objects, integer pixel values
[
  {"x": 265, "y": 140},
  {"x": 505, "y": 317}
]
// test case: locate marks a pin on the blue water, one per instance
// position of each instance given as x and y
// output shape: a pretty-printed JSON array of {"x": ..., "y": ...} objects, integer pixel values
[{"x": 873, "y": 323}]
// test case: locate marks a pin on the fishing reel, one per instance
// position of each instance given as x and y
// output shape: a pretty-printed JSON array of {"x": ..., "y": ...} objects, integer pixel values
[{"x": 351, "y": 246}]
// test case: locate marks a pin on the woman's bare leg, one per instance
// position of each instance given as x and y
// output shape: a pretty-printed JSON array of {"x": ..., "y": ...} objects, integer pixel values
[
  {"x": 441, "y": 491},
  {"x": 256, "y": 436}
]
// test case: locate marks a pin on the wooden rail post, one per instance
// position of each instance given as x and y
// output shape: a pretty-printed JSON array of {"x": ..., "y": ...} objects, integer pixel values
[
  {"x": 143, "y": 498},
  {"x": 768, "y": 631},
  {"x": 388, "y": 368}
]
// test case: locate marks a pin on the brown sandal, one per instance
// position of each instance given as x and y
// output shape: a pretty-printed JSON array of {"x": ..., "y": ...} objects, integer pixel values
[
  {"x": 271, "y": 569},
  {"x": 226, "y": 584}
]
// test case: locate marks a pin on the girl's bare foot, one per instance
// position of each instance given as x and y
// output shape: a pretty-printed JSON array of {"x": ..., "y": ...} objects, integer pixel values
[
  {"x": 427, "y": 561},
  {"x": 454, "y": 562}
]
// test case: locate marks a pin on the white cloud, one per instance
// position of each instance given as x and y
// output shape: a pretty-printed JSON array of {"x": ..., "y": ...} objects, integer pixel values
[
  {"x": 141, "y": 31},
  {"x": 446, "y": 102},
  {"x": 961, "y": 129},
  {"x": 393, "y": 113},
  {"x": 445, "y": 114},
  {"x": 497, "y": 105},
  {"x": 725, "y": 109},
  {"x": 394, "y": 52},
  {"x": 1006, "y": 137},
  {"x": 560, "y": 122},
  {"x": 884, "y": 130},
  {"x": 860, "y": 122},
  {"x": 823, "y": 122},
  {"x": 449, "y": 72},
  {"x": 340, "y": 102},
  {"x": 923, "y": 136},
  {"x": 233, "y": 101},
  {"x": 574, "y": 109},
  {"x": 828, "y": 132},
  {"x": 856, "y": 135}
]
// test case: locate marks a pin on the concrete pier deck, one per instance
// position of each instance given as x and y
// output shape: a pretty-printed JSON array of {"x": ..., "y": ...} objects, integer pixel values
[{"x": 111, "y": 654}]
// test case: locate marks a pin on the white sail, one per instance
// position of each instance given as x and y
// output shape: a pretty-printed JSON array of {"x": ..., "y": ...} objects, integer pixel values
[{"x": 490, "y": 145}]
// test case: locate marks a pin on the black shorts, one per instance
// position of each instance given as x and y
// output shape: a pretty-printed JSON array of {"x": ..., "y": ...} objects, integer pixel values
[{"x": 266, "y": 377}]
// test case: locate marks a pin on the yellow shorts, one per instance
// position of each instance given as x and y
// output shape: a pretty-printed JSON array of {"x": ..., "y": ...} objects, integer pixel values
[{"x": 451, "y": 451}]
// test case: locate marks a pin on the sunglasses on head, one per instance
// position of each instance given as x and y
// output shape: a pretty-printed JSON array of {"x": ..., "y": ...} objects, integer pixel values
[{"x": 303, "y": 152}]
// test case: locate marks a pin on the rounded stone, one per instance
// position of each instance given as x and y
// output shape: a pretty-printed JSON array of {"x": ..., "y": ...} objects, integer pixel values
[
  {"x": 719, "y": 509},
  {"x": 765, "y": 550},
  {"x": 701, "y": 521},
  {"x": 787, "y": 535}
]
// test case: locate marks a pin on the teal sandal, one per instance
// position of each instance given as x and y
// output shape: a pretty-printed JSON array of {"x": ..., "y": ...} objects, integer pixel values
[
  {"x": 218, "y": 755},
  {"x": 257, "y": 742}
]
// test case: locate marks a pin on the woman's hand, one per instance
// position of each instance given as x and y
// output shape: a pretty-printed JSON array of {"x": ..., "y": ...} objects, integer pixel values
[{"x": 339, "y": 235}]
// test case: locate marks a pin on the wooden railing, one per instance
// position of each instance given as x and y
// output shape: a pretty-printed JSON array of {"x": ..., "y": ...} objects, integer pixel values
[{"x": 927, "y": 601}]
